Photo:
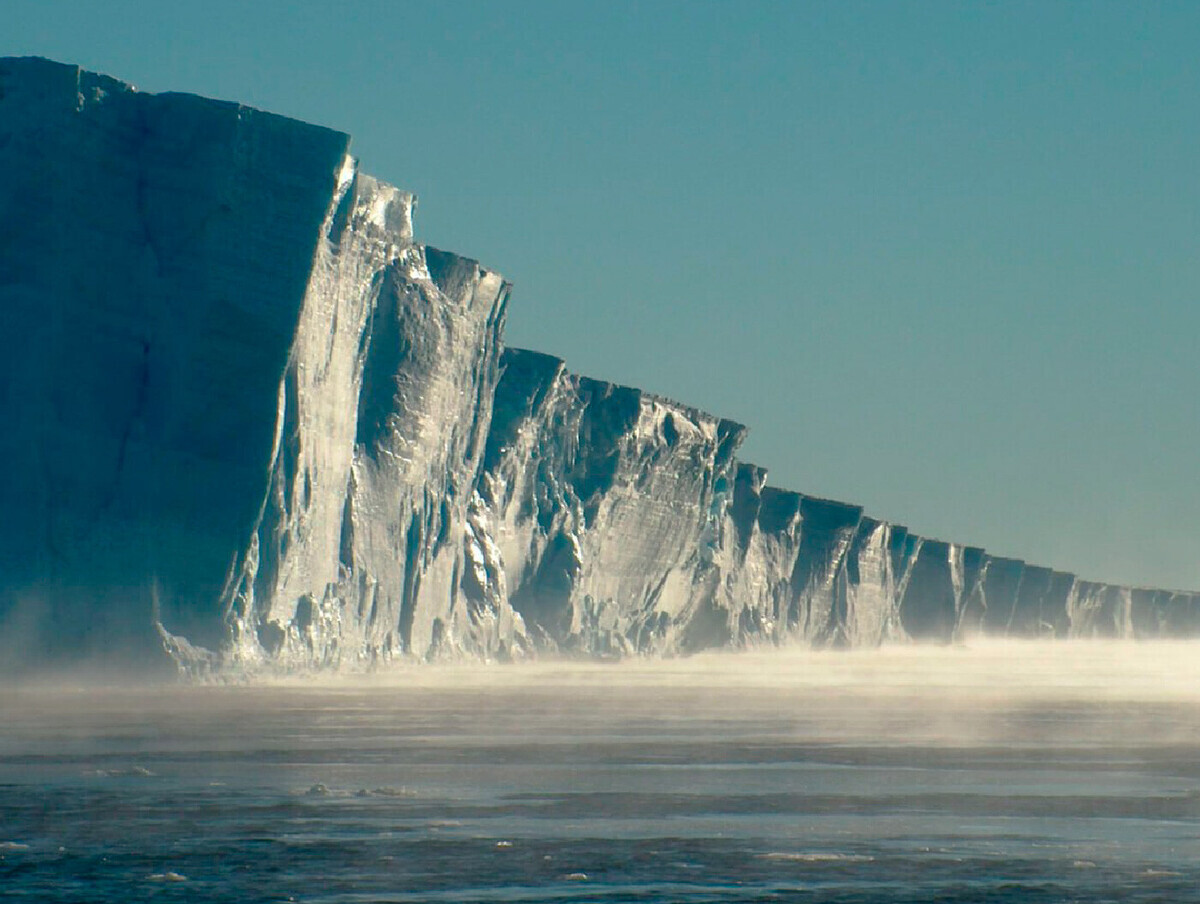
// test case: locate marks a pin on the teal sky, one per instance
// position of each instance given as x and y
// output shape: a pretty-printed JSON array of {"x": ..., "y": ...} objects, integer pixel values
[{"x": 942, "y": 258}]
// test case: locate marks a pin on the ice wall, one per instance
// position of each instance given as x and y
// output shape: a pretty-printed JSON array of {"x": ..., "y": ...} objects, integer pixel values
[
  {"x": 239, "y": 400},
  {"x": 251, "y": 421},
  {"x": 626, "y": 525},
  {"x": 606, "y": 504},
  {"x": 154, "y": 253},
  {"x": 364, "y": 550}
]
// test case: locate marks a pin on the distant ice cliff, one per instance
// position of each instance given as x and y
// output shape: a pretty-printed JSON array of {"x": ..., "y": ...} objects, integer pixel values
[{"x": 250, "y": 420}]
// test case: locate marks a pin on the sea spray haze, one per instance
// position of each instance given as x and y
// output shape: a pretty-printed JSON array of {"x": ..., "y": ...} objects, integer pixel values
[
  {"x": 254, "y": 422},
  {"x": 1015, "y": 771}
]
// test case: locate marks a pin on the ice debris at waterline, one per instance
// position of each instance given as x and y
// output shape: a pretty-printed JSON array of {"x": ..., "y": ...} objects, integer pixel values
[{"x": 251, "y": 420}]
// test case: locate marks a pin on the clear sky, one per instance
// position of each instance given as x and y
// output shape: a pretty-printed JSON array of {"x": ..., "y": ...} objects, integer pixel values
[{"x": 942, "y": 258}]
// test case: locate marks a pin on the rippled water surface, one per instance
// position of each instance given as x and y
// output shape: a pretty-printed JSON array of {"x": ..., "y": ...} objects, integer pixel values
[{"x": 1022, "y": 773}]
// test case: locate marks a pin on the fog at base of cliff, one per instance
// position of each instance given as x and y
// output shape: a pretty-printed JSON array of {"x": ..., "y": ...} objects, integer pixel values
[
  {"x": 988, "y": 692},
  {"x": 984, "y": 692},
  {"x": 1032, "y": 772},
  {"x": 1113, "y": 669}
]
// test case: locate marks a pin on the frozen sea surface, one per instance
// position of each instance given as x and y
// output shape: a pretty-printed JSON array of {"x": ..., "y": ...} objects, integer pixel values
[{"x": 991, "y": 772}]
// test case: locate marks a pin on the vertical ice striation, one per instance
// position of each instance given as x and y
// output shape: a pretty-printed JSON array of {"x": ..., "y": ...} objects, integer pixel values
[
  {"x": 1100, "y": 610},
  {"x": 608, "y": 505},
  {"x": 929, "y": 608},
  {"x": 365, "y": 550},
  {"x": 1027, "y": 616},
  {"x": 866, "y": 610}
]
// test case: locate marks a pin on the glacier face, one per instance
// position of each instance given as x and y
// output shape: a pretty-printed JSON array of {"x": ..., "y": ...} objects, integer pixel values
[
  {"x": 251, "y": 419},
  {"x": 246, "y": 405},
  {"x": 155, "y": 251},
  {"x": 606, "y": 505}
]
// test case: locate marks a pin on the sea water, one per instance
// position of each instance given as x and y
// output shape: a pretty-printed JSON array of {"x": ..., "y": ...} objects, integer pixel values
[{"x": 1031, "y": 772}]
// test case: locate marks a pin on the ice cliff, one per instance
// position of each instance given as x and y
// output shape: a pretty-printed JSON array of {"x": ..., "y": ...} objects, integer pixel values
[{"x": 250, "y": 420}]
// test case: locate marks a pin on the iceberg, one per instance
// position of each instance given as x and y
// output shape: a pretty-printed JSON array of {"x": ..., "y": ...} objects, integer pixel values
[{"x": 252, "y": 423}]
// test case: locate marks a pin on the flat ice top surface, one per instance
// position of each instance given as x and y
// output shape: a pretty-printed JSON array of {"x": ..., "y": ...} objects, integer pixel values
[{"x": 998, "y": 772}]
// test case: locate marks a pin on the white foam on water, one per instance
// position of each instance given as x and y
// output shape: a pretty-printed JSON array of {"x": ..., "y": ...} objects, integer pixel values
[{"x": 166, "y": 877}]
